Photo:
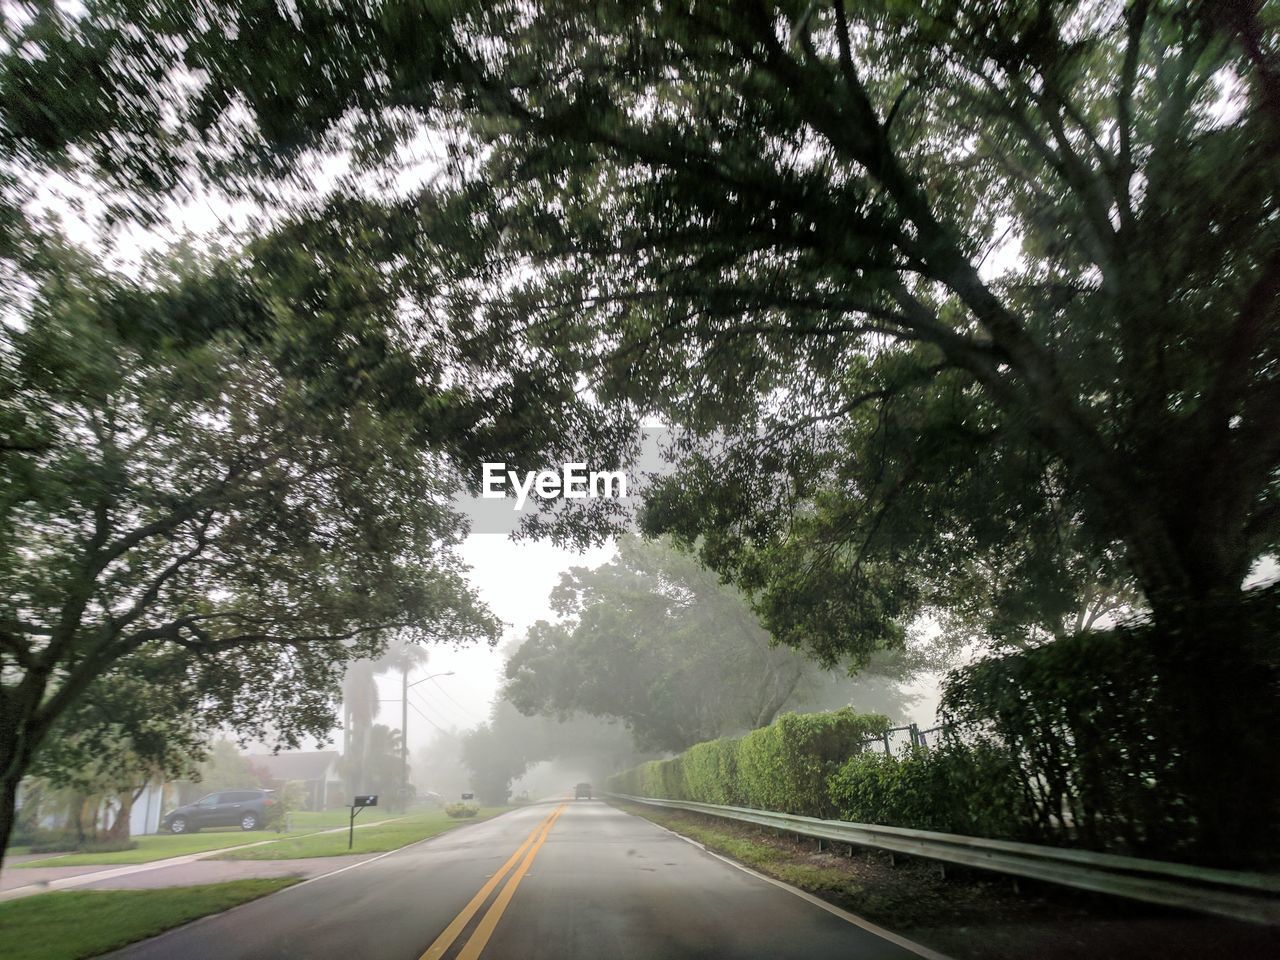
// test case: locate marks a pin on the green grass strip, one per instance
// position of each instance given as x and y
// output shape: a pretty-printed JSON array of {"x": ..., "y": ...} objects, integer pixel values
[
  {"x": 153, "y": 847},
  {"x": 164, "y": 845},
  {"x": 768, "y": 860},
  {"x": 85, "y": 923},
  {"x": 376, "y": 839}
]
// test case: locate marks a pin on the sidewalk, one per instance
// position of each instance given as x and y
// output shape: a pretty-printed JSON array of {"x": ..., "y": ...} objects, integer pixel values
[{"x": 177, "y": 871}]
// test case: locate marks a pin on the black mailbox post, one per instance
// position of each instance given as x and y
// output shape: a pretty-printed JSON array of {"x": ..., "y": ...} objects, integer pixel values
[{"x": 358, "y": 804}]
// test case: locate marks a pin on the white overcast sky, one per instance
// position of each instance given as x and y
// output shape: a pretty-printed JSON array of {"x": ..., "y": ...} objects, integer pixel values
[{"x": 515, "y": 579}]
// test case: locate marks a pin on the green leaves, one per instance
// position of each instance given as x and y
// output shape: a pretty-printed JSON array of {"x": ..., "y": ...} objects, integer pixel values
[
  {"x": 655, "y": 641},
  {"x": 784, "y": 766},
  {"x": 219, "y": 507}
]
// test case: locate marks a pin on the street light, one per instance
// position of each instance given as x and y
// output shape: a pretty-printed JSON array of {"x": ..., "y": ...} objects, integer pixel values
[{"x": 404, "y": 725}]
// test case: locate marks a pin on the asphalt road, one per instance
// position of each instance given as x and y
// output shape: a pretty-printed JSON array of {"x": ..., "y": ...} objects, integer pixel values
[{"x": 578, "y": 879}]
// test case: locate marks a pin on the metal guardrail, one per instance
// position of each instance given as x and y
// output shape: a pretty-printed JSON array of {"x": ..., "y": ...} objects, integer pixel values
[{"x": 1254, "y": 897}]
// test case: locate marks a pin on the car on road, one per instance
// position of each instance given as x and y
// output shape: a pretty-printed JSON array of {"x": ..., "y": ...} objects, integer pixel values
[
  {"x": 582, "y": 791},
  {"x": 246, "y": 809}
]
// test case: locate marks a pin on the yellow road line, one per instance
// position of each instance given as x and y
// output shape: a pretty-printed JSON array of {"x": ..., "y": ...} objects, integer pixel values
[
  {"x": 489, "y": 922},
  {"x": 445, "y": 940}
]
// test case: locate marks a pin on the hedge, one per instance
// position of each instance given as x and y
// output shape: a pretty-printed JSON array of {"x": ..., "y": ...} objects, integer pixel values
[
  {"x": 1142, "y": 740},
  {"x": 815, "y": 765},
  {"x": 784, "y": 766},
  {"x": 970, "y": 789}
]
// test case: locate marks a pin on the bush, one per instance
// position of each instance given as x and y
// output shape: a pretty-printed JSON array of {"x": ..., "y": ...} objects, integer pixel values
[
  {"x": 785, "y": 766},
  {"x": 711, "y": 772},
  {"x": 461, "y": 811},
  {"x": 815, "y": 765},
  {"x": 47, "y": 841},
  {"x": 782, "y": 767},
  {"x": 953, "y": 788},
  {"x": 65, "y": 841},
  {"x": 107, "y": 845}
]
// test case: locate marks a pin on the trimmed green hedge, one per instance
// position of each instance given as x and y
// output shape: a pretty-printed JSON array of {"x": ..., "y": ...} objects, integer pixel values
[
  {"x": 970, "y": 789},
  {"x": 815, "y": 765},
  {"x": 784, "y": 766}
]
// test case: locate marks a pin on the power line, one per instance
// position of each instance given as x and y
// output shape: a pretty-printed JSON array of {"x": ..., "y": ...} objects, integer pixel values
[
  {"x": 426, "y": 704},
  {"x": 433, "y": 706},
  {"x": 441, "y": 729},
  {"x": 469, "y": 715}
]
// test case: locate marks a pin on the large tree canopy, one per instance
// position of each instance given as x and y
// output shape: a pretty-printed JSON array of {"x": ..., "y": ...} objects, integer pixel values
[
  {"x": 653, "y": 639},
  {"x": 752, "y": 215},
  {"x": 1022, "y": 257},
  {"x": 182, "y": 510}
]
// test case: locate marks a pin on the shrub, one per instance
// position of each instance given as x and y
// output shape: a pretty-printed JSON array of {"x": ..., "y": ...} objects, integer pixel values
[
  {"x": 109, "y": 845},
  {"x": 461, "y": 811},
  {"x": 782, "y": 767},
  {"x": 954, "y": 788},
  {"x": 48, "y": 841},
  {"x": 1092, "y": 737},
  {"x": 711, "y": 772},
  {"x": 1150, "y": 738},
  {"x": 785, "y": 766}
]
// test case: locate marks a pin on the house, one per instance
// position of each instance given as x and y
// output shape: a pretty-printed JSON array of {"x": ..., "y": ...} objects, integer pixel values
[
  {"x": 147, "y": 806},
  {"x": 316, "y": 769}
]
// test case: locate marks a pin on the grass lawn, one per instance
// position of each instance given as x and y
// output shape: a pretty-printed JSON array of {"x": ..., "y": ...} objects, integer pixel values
[
  {"x": 163, "y": 845},
  {"x": 388, "y": 836},
  {"x": 85, "y": 923},
  {"x": 155, "y": 847},
  {"x": 304, "y": 821}
]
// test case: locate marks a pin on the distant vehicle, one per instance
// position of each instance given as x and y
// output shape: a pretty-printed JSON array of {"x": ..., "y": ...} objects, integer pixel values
[
  {"x": 246, "y": 809},
  {"x": 582, "y": 791}
]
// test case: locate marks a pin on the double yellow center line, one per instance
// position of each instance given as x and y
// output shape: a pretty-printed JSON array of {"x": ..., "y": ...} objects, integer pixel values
[{"x": 489, "y": 922}]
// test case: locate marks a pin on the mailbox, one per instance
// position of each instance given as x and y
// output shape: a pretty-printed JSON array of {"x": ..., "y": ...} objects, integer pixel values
[{"x": 369, "y": 801}]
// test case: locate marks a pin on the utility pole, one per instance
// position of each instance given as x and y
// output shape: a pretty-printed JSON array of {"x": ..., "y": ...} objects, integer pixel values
[
  {"x": 404, "y": 733},
  {"x": 404, "y": 724}
]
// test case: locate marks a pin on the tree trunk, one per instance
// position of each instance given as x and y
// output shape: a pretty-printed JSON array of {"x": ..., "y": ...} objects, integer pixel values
[
  {"x": 17, "y": 746},
  {"x": 119, "y": 829},
  {"x": 8, "y": 810},
  {"x": 1220, "y": 687}
]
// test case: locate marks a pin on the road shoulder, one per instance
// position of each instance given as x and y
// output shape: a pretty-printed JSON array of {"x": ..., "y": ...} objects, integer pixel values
[{"x": 966, "y": 914}]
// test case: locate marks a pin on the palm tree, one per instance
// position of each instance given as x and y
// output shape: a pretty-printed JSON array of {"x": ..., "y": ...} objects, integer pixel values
[{"x": 360, "y": 704}]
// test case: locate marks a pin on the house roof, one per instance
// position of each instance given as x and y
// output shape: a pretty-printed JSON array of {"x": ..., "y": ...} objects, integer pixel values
[{"x": 296, "y": 764}]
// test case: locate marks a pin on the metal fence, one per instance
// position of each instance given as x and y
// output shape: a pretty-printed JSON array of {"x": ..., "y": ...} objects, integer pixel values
[
  {"x": 900, "y": 739},
  {"x": 1242, "y": 896}
]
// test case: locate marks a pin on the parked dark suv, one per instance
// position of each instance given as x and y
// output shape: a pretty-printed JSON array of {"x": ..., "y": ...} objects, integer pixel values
[{"x": 246, "y": 809}]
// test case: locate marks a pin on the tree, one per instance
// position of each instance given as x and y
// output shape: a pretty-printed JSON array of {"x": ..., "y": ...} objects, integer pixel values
[
  {"x": 495, "y": 757},
  {"x": 750, "y": 195},
  {"x": 126, "y": 733},
  {"x": 360, "y": 704},
  {"x": 377, "y": 767},
  {"x": 225, "y": 768},
  {"x": 504, "y": 748},
  {"x": 846, "y": 534},
  {"x": 655, "y": 640},
  {"x": 180, "y": 506},
  {"x": 438, "y": 767},
  {"x": 733, "y": 213}
]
